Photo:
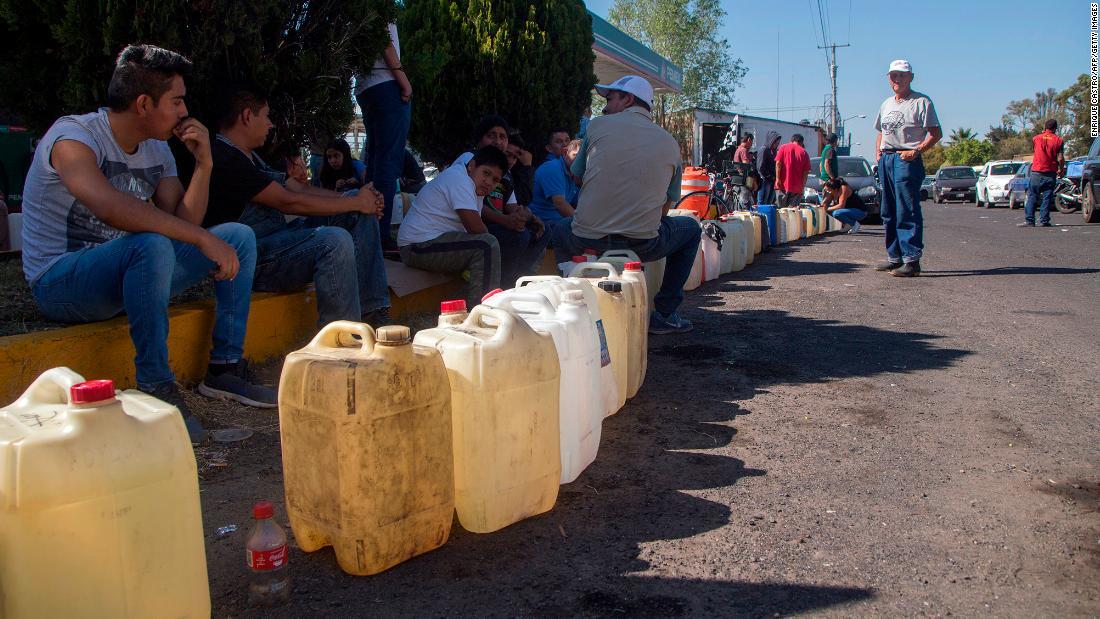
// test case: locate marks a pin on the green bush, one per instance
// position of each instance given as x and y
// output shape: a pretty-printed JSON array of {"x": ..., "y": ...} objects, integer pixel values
[
  {"x": 529, "y": 61},
  {"x": 56, "y": 56}
]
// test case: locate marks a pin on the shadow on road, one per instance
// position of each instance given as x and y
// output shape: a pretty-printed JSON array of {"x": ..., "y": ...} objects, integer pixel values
[{"x": 1010, "y": 271}]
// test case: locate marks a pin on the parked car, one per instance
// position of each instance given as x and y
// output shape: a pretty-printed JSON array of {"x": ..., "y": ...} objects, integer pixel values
[
  {"x": 926, "y": 187},
  {"x": 857, "y": 173},
  {"x": 1017, "y": 187},
  {"x": 1090, "y": 183},
  {"x": 954, "y": 183},
  {"x": 995, "y": 175}
]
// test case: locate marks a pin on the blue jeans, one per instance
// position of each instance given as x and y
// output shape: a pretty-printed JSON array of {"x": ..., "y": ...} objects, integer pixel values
[
  {"x": 138, "y": 273},
  {"x": 1040, "y": 189},
  {"x": 520, "y": 252},
  {"x": 326, "y": 251},
  {"x": 849, "y": 216},
  {"x": 386, "y": 118},
  {"x": 901, "y": 214},
  {"x": 766, "y": 194},
  {"x": 677, "y": 240}
]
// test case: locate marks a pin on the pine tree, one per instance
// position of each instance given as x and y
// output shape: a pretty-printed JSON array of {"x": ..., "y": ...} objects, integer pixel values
[{"x": 529, "y": 61}]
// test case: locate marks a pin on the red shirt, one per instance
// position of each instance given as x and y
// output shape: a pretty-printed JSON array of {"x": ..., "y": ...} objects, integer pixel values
[
  {"x": 795, "y": 166},
  {"x": 1047, "y": 147}
]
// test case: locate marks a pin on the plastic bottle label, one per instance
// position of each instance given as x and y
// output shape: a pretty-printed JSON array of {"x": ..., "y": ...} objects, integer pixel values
[
  {"x": 266, "y": 560},
  {"x": 605, "y": 355}
]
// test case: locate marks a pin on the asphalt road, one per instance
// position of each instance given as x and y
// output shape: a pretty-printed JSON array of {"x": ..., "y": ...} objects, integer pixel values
[{"x": 830, "y": 440}]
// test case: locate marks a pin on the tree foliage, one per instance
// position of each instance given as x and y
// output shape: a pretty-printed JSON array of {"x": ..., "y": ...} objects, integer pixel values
[
  {"x": 527, "y": 60},
  {"x": 686, "y": 33},
  {"x": 969, "y": 152},
  {"x": 934, "y": 158},
  {"x": 1075, "y": 103},
  {"x": 57, "y": 55},
  {"x": 962, "y": 133}
]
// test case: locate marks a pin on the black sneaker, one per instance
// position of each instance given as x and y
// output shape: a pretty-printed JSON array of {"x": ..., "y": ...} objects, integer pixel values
[
  {"x": 1025, "y": 224},
  {"x": 378, "y": 318},
  {"x": 889, "y": 265},
  {"x": 660, "y": 324},
  {"x": 236, "y": 384},
  {"x": 170, "y": 394},
  {"x": 909, "y": 269},
  {"x": 1046, "y": 225}
]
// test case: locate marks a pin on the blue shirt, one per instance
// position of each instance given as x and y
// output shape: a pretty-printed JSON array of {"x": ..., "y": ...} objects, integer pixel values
[{"x": 552, "y": 179}]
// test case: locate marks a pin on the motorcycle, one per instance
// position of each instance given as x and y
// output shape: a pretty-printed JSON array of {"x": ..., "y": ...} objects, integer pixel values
[{"x": 1067, "y": 193}]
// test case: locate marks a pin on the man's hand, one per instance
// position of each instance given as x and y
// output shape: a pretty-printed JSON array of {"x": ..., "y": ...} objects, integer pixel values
[
  {"x": 197, "y": 140},
  {"x": 368, "y": 201},
  {"x": 517, "y": 221},
  {"x": 536, "y": 225},
  {"x": 910, "y": 155},
  {"x": 379, "y": 199},
  {"x": 220, "y": 253}
]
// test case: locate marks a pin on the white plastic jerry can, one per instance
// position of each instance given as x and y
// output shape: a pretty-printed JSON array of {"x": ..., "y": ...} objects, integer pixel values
[
  {"x": 632, "y": 273},
  {"x": 616, "y": 312},
  {"x": 578, "y": 347},
  {"x": 654, "y": 271},
  {"x": 99, "y": 505}
]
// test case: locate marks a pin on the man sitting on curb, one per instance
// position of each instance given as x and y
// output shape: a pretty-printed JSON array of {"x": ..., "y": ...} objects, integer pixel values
[
  {"x": 631, "y": 175},
  {"x": 92, "y": 250},
  {"x": 520, "y": 234},
  {"x": 336, "y": 244},
  {"x": 444, "y": 232}
]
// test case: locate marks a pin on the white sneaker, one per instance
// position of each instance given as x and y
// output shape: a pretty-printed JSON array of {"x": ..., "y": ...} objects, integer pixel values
[{"x": 855, "y": 228}]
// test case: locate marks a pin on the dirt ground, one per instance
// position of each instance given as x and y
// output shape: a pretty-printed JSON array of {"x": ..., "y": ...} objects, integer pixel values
[{"x": 830, "y": 440}]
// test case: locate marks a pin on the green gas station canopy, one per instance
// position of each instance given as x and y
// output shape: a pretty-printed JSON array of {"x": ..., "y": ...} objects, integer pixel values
[{"x": 619, "y": 54}]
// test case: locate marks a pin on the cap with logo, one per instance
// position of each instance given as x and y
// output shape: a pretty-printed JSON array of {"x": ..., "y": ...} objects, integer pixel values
[
  {"x": 902, "y": 66},
  {"x": 637, "y": 86}
]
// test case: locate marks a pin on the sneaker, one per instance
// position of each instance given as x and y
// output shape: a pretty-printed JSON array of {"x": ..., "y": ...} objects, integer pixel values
[
  {"x": 236, "y": 384},
  {"x": 378, "y": 318},
  {"x": 1046, "y": 225},
  {"x": 170, "y": 394},
  {"x": 854, "y": 229},
  {"x": 1025, "y": 224},
  {"x": 673, "y": 323},
  {"x": 889, "y": 265},
  {"x": 909, "y": 269}
]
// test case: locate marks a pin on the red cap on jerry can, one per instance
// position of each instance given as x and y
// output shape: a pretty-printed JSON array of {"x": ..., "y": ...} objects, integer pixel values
[
  {"x": 579, "y": 259},
  {"x": 633, "y": 266},
  {"x": 450, "y": 307},
  {"x": 92, "y": 391},
  {"x": 492, "y": 293}
]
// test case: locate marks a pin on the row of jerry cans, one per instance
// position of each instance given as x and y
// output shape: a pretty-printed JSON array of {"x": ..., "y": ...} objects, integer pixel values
[
  {"x": 740, "y": 236},
  {"x": 804, "y": 222},
  {"x": 385, "y": 437}
]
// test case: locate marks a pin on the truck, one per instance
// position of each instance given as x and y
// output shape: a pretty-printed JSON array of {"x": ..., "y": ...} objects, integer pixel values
[{"x": 706, "y": 134}]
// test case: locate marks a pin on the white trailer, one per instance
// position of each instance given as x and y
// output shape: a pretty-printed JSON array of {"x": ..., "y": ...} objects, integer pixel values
[{"x": 710, "y": 129}]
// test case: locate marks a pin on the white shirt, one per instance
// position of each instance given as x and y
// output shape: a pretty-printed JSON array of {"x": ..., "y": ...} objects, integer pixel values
[
  {"x": 435, "y": 209},
  {"x": 380, "y": 72}
]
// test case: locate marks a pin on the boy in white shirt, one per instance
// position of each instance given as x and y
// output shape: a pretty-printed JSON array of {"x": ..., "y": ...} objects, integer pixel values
[{"x": 444, "y": 233}]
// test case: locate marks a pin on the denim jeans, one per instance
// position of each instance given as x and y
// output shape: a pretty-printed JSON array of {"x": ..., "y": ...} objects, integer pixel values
[
  {"x": 1040, "y": 189},
  {"x": 677, "y": 240},
  {"x": 386, "y": 118},
  {"x": 766, "y": 194},
  {"x": 849, "y": 216},
  {"x": 901, "y": 213},
  {"x": 520, "y": 252},
  {"x": 138, "y": 273},
  {"x": 326, "y": 251}
]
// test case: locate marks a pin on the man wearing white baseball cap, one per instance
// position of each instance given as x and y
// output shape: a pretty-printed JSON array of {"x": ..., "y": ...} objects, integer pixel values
[
  {"x": 907, "y": 126},
  {"x": 630, "y": 170}
]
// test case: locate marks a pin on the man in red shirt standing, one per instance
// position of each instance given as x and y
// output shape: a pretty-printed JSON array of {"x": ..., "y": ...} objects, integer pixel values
[
  {"x": 792, "y": 164},
  {"x": 1047, "y": 164}
]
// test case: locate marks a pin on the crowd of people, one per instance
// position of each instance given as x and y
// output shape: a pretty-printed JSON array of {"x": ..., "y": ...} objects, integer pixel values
[{"x": 112, "y": 226}]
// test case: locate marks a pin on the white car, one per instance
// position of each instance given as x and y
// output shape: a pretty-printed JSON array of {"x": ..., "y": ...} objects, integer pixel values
[{"x": 992, "y": 188}]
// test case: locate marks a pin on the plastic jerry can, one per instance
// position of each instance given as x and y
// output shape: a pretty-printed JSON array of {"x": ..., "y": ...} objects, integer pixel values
[
  {"x": 710, "y": 246},
  {"x": 654, "y": 271},
  {"x": 578, "y": 347},
  {"x": 734, "y": 245},
  {"x": 552, "y": 288},
  {"x": 504, "y": 381},
  {"x": 632, "y": 273},
  {"x": 616, "y": 313},
  {"x": 638, "y": 315},
  {"x": 695, "y": 277},
  {"x": 819, "y": 219},
  {"x": 366, "y": 438},
  {"x": 752, "y": 226},
  {"x": 809, "y": 226},
  {"x": 99, "y": 505},
  {"x": 770, "y": 214},
  {"x": 794, "y": 223}
]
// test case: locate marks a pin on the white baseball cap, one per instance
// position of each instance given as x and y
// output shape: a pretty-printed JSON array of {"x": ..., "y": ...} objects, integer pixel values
[
  {"x": 901, "y": 65},
  {"x": 633, "y": 84}
]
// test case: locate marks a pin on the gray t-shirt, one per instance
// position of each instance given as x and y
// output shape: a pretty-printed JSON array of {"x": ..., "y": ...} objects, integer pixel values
[
  {"x": 54, "y": 221},
  {"x": 904, "y": 124}
]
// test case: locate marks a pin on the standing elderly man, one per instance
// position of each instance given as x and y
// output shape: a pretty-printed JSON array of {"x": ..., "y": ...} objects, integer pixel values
[
  {"x": 792, "y": 164},
  {"x": 907, "y": 126},
  {"x": 631, "y": 171}
]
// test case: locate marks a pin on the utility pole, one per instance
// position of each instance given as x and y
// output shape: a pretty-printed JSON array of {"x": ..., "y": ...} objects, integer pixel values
[{"x": 835, "y": 112}]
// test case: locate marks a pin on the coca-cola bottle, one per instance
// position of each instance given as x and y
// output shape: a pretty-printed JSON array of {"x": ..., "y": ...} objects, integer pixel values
[{"x": 266, "y": 557}]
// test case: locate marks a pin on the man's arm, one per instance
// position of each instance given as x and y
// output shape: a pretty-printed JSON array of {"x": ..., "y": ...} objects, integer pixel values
[
  {"x": 778, "y": 172},
  {"x": 878, "y": 146},
  {"x": 471, "y": 221},
  {"x": 515, "y": 219},
  {"x": 170, "y": 197},
  {"x": 934, "y": 135},
  {"x": 76, "y": 165},
  {"x": 390, "y": 57},
  {"x": 563, "y": 206},
  {"x": 316, "y": 202},
  {"x": 828, "y": 163}
]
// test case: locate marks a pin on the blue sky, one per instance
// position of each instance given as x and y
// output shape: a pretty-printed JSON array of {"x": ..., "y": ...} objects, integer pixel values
[{"x": 970, "y": 56}]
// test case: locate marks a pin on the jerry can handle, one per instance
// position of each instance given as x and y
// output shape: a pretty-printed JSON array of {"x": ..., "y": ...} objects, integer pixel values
[
  {"x": 52, "y": 387},
  {"x": 621, "y": 253},
  {"x": 535, "y": 279},
  {"x": 337, "y": 334},
  {"x": 508, "y": 302},
  {"x": 505, "y": 320},
  {"x": 597, "y": 267}
]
